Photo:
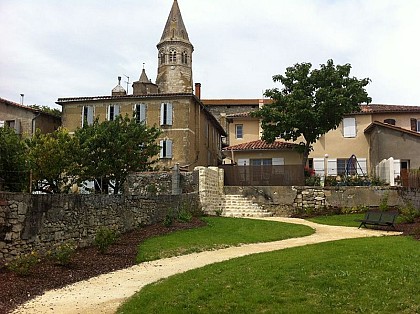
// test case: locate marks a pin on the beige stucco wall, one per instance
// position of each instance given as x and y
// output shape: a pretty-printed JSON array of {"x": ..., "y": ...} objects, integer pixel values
[
  {"x": 250, "y": 131},
  {"x": 195, "y": 138},
  {"x": 45, "y": 122},
  {"x": 402, "y": 120}
]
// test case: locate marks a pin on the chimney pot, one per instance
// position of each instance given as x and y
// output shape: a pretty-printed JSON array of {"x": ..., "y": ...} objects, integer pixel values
[{"x": 198, "y": 90}]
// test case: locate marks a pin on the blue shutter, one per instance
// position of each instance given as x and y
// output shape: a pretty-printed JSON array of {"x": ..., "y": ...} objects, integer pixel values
[{"x": 169, "y": 114}]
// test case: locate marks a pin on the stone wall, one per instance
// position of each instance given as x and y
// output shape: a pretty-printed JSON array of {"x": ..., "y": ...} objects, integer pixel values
[
  {"x": 38, "y": 222},
  {"x": 161, "y": 183},
  {"x": 211, "y": 189},
  {"x": 287, "y": 200}
]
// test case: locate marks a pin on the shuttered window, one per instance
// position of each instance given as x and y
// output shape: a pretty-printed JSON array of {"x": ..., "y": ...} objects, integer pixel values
[
  {"x": 140, "y": 112},
  {"x": 349, "y": 127},
  {"x": 87, "y": 115},
  {"x": 166, "y": 114},
  {"x": 166, "y": 148},
  {"x": 112, "y": 112}
]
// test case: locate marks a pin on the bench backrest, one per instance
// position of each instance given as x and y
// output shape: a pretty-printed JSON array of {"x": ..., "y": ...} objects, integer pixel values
[
  {"x": 389, "y": 217},
  {"x": 381, "y": 216},
  {"x": 373, "y": 215}
]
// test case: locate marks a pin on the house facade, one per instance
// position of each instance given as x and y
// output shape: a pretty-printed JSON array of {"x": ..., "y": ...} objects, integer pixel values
[
  {"x": 26, "y": 120},
  {"x": 359, "y": 143},
  {"x": 191, "y": 136}
]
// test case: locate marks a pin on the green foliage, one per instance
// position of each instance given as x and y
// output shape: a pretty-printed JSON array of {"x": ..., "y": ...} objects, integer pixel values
[
  {"x": 112, "y": 149},
  {"x": 311, "y": 103},
  {"x": 104, "y": 238},
  {"x": 408, "y": 213},
  {"x": 219, "y": 212},
  {"x": 13, "y": 167},
  {"x": 51, "y": 159},
  {"x": 23, "y": 264},
  {"x": 168, "y": 220},
  {"x": 313, "y": 181},
  {"x": 184, "y": 215},
  {"x": 46, "y": 109},
  {"x": 62, "y": 254},
  {"x": 383, "y": 204}
]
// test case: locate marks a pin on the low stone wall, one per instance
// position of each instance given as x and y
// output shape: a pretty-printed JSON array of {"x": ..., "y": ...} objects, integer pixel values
[
  {"x": 212, "y": 197},
  {"x": 38, "y": 222},
  {"x": 411, "y": 195},
  {"x": 288, "y": 200},
  {"x": 161, "y": 183}
]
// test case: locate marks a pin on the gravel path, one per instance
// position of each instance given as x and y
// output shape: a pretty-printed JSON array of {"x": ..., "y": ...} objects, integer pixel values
[{"x": 103, "y": 294}]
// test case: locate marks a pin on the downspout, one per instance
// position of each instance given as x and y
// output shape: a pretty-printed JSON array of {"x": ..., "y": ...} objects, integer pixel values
[{"x": 33, "y": 126}]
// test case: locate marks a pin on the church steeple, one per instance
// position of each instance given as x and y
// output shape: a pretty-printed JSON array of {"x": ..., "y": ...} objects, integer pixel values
[{"x": 175, "y": 55}]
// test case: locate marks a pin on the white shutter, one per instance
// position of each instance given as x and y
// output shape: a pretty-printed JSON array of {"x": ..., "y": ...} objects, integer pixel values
[
  {"x": 142, "y": 112},
  {"x": 169, "y": 114},
  {"x": 90, "y": 115},
  {"x": 243, "y": 162},
  {"x": 397, "y": 168},
  {"x": 319, "y": 166},
  {"x": 1, "y": 124},
  {"x": 161, "y": 143},
  {"x": 362, "y": 166},
  {"x": 332, "y": 167},
  {"x": 349, "y": 127},
  {"x": 277, "y": 161},
  {"x": 116, "y": 110},
  {"x": 168, "y": 149},
  {"x": 162, "y": 114}
]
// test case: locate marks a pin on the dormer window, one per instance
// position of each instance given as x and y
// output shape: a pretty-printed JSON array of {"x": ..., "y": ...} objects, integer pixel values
[
  {"x": 390, "y": 121},
  {"x": 172, "y": 55}
]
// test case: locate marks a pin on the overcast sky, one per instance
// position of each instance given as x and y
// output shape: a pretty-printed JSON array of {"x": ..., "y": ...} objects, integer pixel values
[{"x": 53, "y": 48}]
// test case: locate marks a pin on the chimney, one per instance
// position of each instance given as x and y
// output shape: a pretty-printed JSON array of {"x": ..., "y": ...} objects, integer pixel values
[{"x": 198, "y": 90}]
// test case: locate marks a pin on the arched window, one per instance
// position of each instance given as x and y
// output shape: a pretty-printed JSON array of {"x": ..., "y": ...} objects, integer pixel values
[
  {"x": 162, "y": 57},
  {"x": 184, "y": 57},
  {"x": 172, "y": 55},
  {"x": 390, "y": 121}
]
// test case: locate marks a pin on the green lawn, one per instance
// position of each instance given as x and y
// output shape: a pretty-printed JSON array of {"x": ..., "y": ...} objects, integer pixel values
[
  {"x": 347, "y": 220},
  {"x": 220, "y": 232},
  {"x": 369, "y": 275}
]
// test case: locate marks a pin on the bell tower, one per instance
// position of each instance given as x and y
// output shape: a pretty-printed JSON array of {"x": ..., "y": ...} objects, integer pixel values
[{"x": 175, "y": 56}]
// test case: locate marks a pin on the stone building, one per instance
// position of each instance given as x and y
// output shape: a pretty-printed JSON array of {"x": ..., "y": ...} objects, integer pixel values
[
  {"x": 26, "y": 120},
  {"x": 191, "y": 135}
]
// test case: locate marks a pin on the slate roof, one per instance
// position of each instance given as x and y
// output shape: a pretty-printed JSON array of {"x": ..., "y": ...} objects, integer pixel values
[
  {"x": 261, "y": 145},
  {"x": 391, "y": 127}
]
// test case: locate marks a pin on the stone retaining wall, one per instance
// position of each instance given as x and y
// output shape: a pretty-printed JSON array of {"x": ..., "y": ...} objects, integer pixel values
[
  {"x": 212, "y": 197},
  {"x": 38, "y": 222}
]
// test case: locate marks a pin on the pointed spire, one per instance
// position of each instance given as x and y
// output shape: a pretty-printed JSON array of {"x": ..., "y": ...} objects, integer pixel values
[
  {"x": 143, "y": 77},
  {"x": 175, "y": 28}
]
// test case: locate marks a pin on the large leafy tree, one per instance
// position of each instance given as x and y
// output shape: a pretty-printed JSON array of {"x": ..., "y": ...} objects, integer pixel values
[
  {"x": 14, "y": 173},
  {"x": 110, "y": 150},
  {"x": 50, "y": 158},
  {"x": 311, "y": 103}
]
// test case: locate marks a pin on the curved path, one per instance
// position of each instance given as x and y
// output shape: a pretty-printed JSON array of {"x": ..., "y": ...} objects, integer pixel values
[{"x": 103, "y": 294}]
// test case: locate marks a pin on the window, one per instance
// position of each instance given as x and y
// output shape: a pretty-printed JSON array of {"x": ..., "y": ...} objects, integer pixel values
[
  {"x": 239, "y": 130},
  {"x": 112, "y": 112},
  {"x": 390, "y": 121},
  {"x": 1, "y": 124},
  {"x": 140, "y": 113},
  {"x": 349, "y": 127},
  {"x": 87, "y": 115},
  {"x": 172, "y": 55},
  {"x": 184, "y": 57},
  {"x": 415, "y": 125},
  {"x": 162, "y": 57},
  {"x": 166, "y": 114},
  {"x": 166, "y": 148},
  {"x": 261, "y": 162}
]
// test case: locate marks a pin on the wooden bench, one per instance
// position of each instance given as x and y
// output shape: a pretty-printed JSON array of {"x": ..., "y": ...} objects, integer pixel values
[{"x": 379, "y": 218}]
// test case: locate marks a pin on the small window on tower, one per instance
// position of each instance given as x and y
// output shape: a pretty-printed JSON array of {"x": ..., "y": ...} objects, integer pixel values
[
  {"x": 184, "y": 57},
  {"x": 162, "y": 57},
  {"x": 172, "y": 55}
]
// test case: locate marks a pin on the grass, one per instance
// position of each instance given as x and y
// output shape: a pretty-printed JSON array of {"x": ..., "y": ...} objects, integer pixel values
[
  {"x": 372, "y": 275},
  {"x": 348, "y": 220},
  {"x": 220, "y": 232}
]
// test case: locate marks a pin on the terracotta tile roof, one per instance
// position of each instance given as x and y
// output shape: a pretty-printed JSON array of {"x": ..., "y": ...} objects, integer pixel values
[
  {"x": 261, "y": 145},
  {"x": 391, "y": 127},
  {"x": 235, "y": 102},
  {"x": 61, "y": 101},
  {"x": 377, "y": 108},
  {"x": 239, "y": 115}
]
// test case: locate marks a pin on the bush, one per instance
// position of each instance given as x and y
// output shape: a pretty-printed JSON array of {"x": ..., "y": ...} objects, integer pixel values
[
  {"x": 23, "y": 264},
  {"x": 313, "y": 181},
  {"x": 62, "y": 253},
  {"x": 185, "y": 216},
  {"x": 409, "y": 213},
  {"x": 104, "y": 238},
  {"x": 168, "y": 221}
]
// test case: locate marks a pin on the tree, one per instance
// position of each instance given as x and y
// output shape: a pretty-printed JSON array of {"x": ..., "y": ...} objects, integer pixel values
[
  {"x": 13, "y": 168},
  {"x": 50, "y": 158},
  {"x": 112, "y": 149},
  {"x": 54, "y": 111},
  {"x": 311, "y": 103}
]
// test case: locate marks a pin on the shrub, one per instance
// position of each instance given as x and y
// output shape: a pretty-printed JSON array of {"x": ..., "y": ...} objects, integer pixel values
[
  {"x": 104, "y": 238},
  {"x": 62, "y": 253},
  {"x": 409, "y": 213},
  {"x": 219, "y": 212},
  {"x": 185, "y": 215},
  {"x": 313, "y": 181},
  {"x": 23, "y": 264},
  {"x": 168, "y": 221},
  {"x": 383, "y": 204}
]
